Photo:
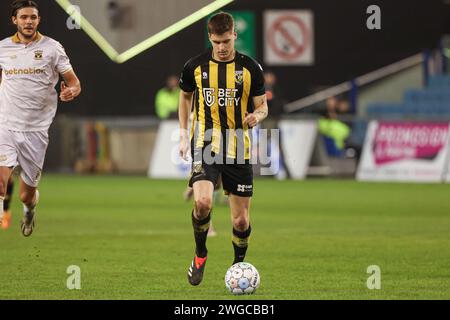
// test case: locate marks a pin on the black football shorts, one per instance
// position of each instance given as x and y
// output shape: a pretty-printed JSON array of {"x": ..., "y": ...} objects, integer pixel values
[{"x": 237, "y": 179}]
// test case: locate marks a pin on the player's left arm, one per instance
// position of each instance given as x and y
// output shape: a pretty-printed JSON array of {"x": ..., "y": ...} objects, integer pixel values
[
  {"x": 70, "y": 87},
  {"x": 260, "y": 113},
  {"x": 258, "y": 94}
]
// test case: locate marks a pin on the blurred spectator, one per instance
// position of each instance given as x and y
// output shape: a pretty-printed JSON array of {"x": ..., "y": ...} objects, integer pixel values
[
  {"x": 336, "y": 105},
  {"x": 114, "y": 14},
  {"x": 275, "y": 98},
  {"x": 166, "y": 101},
  {"x": 335, "y": 131}
]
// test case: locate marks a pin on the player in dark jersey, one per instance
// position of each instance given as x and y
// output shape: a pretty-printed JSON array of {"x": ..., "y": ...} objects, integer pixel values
[{"x": 228, "y": 93}]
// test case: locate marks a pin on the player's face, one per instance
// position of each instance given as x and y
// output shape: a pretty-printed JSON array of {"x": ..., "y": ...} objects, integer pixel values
[
  {"x": 27, "y": 21},
  {"x": 223, "y": 45}
]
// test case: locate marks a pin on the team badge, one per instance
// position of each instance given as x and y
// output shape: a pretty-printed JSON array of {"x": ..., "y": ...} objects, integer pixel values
[
  {"x": 239, "y": 77},
  {"x": 38, "y": 55},
  {"x": 208, "y": 94}
]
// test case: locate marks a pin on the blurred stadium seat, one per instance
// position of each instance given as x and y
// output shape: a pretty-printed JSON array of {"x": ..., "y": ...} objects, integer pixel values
[{"x": 432, "y": 101}]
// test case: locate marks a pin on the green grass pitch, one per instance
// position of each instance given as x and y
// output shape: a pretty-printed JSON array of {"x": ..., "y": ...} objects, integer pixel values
[{"x": 132, "y": 239}]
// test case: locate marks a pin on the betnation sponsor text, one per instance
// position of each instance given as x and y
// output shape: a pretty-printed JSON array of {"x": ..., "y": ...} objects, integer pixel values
[{"x": 28, "y": 71}]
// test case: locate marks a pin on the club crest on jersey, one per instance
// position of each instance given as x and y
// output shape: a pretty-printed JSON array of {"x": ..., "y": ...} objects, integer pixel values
[
  {"x": 38, "y": 54},
  {"x": 210, "y": 97},
  {"x": 239, "y": 77}
]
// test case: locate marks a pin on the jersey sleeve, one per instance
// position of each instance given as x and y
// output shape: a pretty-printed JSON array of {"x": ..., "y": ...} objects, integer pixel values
[
  {"x": 187, "y": 81},
  {"x": 1, "y": 58},
  {"x": 258, "y": 87},
  {"x": 62, "y": 62}
]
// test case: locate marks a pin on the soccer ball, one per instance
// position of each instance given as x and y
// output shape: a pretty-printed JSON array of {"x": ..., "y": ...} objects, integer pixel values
[{"x": 242, "y": 278}]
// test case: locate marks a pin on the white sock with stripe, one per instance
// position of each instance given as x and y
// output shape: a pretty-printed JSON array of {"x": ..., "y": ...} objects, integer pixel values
[{"x": 1, "y": 207}]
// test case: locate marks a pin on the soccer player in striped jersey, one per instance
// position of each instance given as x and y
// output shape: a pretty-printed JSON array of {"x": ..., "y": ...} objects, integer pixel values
[
  {"x": 228, "y": 93},
  {"x": 31, "y": 65}
]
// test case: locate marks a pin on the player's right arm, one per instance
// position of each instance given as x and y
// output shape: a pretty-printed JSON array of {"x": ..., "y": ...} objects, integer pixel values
[
  {"x": 187, "y": 86},
  {"x": 184, "y": 109}
]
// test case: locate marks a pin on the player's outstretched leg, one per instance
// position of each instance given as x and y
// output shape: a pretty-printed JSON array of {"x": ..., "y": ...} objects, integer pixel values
[
  {"x": 201, "y": 219},
  {"x": 29, "y": 216},
  {"x": 197, "y": 267}
]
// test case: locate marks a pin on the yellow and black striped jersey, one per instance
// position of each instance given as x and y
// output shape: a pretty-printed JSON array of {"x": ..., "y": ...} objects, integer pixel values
[{"x": 223, "y": 96}]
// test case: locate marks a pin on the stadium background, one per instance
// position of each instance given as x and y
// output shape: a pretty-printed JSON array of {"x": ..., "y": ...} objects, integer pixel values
[
  {"x": 344, "y": 49},
  {"x": 327, "y": 231}
]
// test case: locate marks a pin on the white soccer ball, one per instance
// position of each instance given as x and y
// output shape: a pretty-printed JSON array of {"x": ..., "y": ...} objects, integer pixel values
[{"x": 242, "y": 278}]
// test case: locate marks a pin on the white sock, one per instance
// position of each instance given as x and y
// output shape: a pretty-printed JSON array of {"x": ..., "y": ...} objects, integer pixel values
[
  {"x": 36, "y": 199},
  {"x": 1, "y": 206}
]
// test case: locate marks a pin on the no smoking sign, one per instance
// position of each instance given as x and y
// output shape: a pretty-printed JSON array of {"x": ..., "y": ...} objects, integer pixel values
[{"x": 289, "y": 37}]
